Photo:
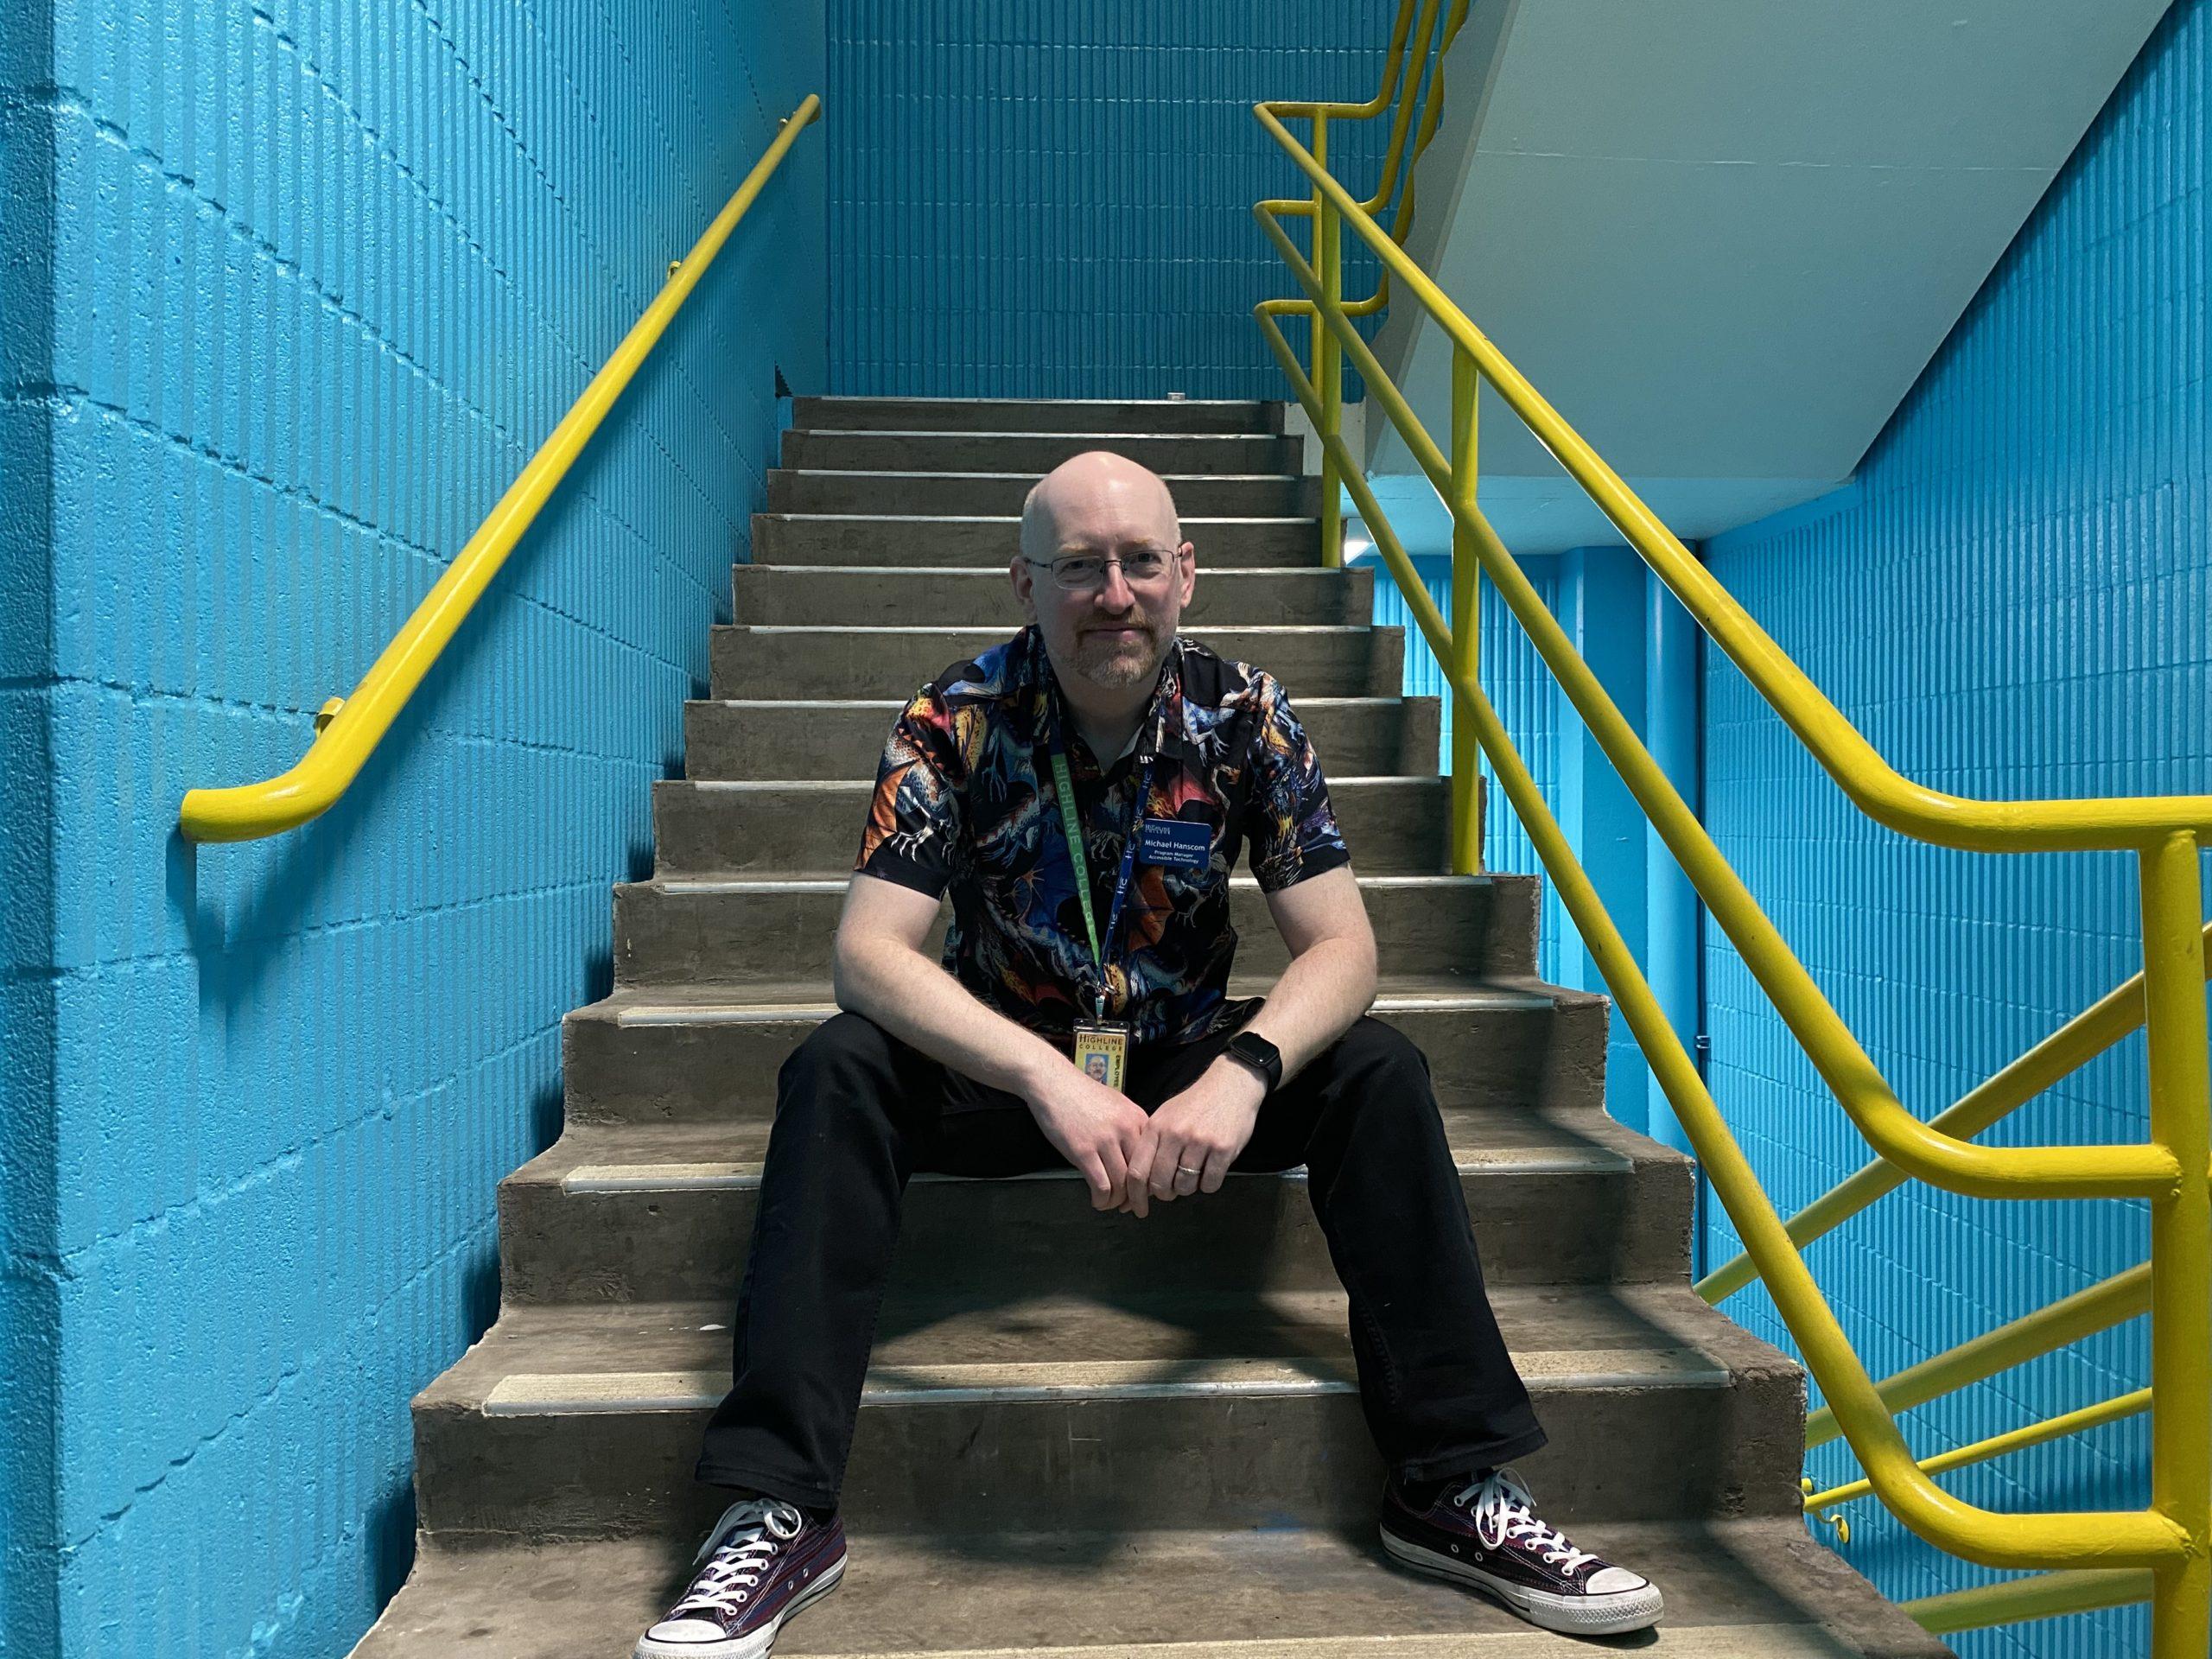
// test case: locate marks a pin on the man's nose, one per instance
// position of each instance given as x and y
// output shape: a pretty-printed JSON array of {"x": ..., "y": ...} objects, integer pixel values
[{"x": 1114, "y": 594}]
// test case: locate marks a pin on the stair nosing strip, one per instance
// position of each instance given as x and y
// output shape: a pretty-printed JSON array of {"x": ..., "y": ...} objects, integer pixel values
[
  {"x": 899, "y": 702},
  {"x": 598, "y": 1179},
  {"x": 909, "y": 570},
  {"x": 1013, "y": 518},
  {"x": 997, "y": 632},
  {"x": 938, "y": 401},
  {"x": 1494, "y": 1000},
  {"x": 693, "y": 884},
  {"x": 1337, "y": 780},
  {"x": 546, "y": 1393},
  {"x": 963, "y": 433},
  {"x": 1030, "y": 477},
  {"x": 1709, "y": 1641}
]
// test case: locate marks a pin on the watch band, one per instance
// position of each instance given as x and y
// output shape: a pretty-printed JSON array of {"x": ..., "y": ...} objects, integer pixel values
[{"x": 1251, "y": 1049}]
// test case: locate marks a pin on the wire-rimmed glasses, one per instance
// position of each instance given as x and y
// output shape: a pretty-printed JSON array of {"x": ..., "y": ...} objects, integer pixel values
[{"x": 1083, "y": 572}]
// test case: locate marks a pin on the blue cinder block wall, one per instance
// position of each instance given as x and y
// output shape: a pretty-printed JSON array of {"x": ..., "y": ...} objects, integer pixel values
[
  {"x": 1055, "y": 200},
  {"x": 2027, "y": 558},
  {"x": 30, "y": 1286},
  {"x": 293, "y": 291}
]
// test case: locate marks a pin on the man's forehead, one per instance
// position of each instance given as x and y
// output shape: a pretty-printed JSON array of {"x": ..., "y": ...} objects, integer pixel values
[
  {"x": 1113, "y": 539},
  {"x": 1110, "y": 511}
]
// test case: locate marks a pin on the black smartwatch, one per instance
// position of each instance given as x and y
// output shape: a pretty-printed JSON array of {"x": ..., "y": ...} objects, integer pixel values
[{"x": 1256, "y": 1052}]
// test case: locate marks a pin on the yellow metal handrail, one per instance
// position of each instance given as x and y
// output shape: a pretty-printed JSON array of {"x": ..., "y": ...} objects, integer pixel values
[
  {"x": 2109, "y": 1302},
  {"x": 2130, "y": 1404},
  {"x": 2173, "y": 1537},
  {"x": 2066, "y": 1050},
  {"x": 347, "y": 734},
  {"x": 2047, "y": 1595}
]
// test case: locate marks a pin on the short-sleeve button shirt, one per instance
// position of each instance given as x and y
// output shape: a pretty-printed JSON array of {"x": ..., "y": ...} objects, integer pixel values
[{"x": 964, "y": 800}]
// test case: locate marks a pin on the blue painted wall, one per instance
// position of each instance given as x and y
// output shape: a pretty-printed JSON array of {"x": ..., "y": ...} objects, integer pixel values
[
  {"x": 1053, "y": 198},
  {"x": 1519, "y": 686},
  {"x": 28, "y": 1282},
  {"x": 1600, "y": 596},
  {"x": 2026, "y": 561},
  {"x": 320, "y": 277}
]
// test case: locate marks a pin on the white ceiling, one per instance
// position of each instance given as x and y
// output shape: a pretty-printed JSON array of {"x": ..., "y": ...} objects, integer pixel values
[{"x": 1724, "y": 236}]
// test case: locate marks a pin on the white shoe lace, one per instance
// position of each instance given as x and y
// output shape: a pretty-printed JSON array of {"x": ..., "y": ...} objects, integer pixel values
[
  {"x": 742, "y": 1543},
  {"x": 1504, "y": 1514}
]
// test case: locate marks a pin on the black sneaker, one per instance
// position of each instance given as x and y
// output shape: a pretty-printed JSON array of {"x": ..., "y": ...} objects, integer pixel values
[
  {"x": 764, "y": 1561},
  {"x": 1486, "y": 1535}
]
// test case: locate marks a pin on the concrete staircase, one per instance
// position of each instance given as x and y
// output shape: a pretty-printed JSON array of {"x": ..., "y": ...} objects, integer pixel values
[{"x": 1081, "y": 1433}]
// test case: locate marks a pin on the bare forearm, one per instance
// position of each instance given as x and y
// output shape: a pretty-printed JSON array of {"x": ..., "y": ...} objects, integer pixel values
[
  {"x": 1323, "y": 991},
  {"x": 916, "y": 1001}
]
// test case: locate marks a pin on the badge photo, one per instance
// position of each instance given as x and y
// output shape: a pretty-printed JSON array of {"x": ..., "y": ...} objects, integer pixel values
[{"x": 1102, "y": 1052}]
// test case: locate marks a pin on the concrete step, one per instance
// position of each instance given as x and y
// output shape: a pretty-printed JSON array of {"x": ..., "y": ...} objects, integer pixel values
[
  {"x": 1038, "y": 414},
  {"x": 1393, "y": 825},
  {"x": 1247, "y": 495},
  {"x": 1168, "y": 1411},
  {"x": 861, "y": 662},
  {"x": 927, "y": 539},
  {"x": 709, "y": 1053},
  {"x": 1036, "y": 453},
  {"x": 829, "y": 738},
  {"x": 1750, "y": 1589},
  {"x": 644, "y": 1212},
  {"x": 894, "y": 596},
  {"x": 764, "y": 928}
]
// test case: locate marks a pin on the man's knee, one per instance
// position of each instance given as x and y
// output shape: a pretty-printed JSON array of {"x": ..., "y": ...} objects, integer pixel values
[{"x": 1381, "y": 1055}]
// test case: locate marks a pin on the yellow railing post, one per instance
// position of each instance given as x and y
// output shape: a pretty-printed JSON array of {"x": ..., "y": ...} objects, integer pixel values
[
  {"x": 1466, "y": 622},
  {"x": 2181, "y": 1243},
  {"x": 1329, "y": 356}
]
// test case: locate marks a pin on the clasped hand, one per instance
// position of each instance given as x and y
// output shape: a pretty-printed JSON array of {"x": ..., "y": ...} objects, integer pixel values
[{"x": 1130, "y": 1159}]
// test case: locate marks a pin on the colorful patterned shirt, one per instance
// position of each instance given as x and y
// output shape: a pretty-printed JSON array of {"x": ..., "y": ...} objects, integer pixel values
[{"x": 965, "y": 798}]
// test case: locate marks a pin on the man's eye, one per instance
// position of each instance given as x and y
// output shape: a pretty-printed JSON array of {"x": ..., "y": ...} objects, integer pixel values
[
  {"x": 1079, "y": 570},
  {"x": 1145, "y": 564}
]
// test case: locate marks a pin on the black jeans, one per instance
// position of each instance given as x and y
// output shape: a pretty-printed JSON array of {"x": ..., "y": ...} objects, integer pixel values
[{"x": 858, "y": 1111}]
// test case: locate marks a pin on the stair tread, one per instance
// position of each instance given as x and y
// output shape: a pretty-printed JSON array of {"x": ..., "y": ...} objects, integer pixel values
[
  {"x": 897, "y": 702},
  {"x": 998, "y": 632},
  {"x": 966, "y": 432},
  {"x": 1734, "y": 1590},
  {"x": 784, "y": 880},
  {"x": 615, "y": 1156},
  {"x": 1014, "y": 520},
  {"x": 685, "y": 1003},
  {"x": 971, "y": 472},
  {"x": 562, "y": 1358},
  {"x": 1364, "y": 780},
  {"x": 1301, "y": 572}
]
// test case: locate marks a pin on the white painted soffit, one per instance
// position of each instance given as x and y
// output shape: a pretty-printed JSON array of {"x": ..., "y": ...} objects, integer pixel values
[{"x": 1724, "y": 236}]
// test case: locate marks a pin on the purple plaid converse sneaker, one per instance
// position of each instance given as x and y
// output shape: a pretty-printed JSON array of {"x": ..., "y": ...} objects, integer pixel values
[
  {"x": 765, "y": 1561},
  {"x": 1485, "y": 1533}
]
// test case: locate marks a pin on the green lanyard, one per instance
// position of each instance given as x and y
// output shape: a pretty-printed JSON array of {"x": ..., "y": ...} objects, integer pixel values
[{"x": 1071, "y": 829}]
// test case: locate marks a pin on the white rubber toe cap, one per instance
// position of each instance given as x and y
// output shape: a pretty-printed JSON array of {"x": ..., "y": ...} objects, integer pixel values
[
  {"x": 685, "y": 1629},
  {"x": 1617, "y": 1581}
]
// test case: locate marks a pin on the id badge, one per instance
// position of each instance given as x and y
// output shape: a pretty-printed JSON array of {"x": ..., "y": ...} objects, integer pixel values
[
  {"x": 1174, "y": 844},
  {"x": 1101, "y": 1051}
]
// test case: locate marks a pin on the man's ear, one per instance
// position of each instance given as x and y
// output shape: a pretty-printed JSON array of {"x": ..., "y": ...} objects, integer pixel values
[{"x": 1024, "y": 578}]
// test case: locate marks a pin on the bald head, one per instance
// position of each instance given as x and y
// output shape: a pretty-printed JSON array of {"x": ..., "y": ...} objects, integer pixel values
[{"x": 1098, "y": 493}]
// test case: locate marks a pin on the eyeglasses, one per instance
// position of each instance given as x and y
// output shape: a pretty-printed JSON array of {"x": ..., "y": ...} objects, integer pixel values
[{"x": 1086, "y": 571}]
